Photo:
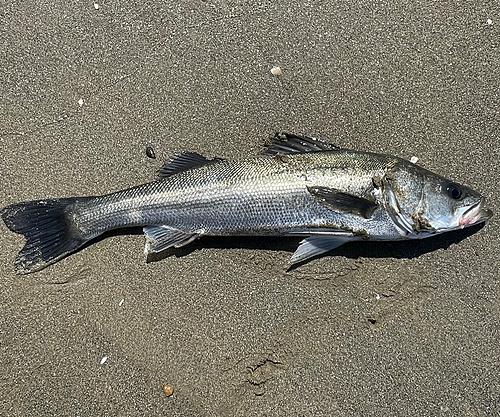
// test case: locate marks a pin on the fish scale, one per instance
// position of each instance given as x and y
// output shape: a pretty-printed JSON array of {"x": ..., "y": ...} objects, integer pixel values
[
  {"x": 219, "y": 198},
  {"x": 300, "y": 186}
]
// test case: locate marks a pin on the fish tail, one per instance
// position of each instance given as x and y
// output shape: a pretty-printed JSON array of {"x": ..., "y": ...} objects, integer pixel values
[{"x": 49, "y": 230}]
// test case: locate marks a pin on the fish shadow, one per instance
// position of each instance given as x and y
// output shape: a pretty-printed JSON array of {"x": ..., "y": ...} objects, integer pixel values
[{"x": 407, "y": 249}]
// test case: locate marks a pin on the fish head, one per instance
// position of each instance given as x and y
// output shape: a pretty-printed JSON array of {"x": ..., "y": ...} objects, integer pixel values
[{"x": 423, "y": 203}]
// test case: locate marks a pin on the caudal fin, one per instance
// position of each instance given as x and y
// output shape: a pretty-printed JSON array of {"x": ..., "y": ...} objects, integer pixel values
[{"x": 49, "y": 232}]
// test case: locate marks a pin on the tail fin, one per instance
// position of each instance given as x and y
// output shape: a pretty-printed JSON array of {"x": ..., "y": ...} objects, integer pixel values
[{"x": 49, "y": 232}]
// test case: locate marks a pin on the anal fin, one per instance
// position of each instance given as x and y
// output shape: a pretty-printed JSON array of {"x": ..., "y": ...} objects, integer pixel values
[{"x": 159, "y": 238}]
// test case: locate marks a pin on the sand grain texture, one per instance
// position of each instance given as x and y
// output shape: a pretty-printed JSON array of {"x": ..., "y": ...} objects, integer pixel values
[{"x": 374, "y": 329}]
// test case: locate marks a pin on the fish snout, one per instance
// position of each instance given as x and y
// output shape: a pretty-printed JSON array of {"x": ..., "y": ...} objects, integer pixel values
[{"x": 475, "y": 214}]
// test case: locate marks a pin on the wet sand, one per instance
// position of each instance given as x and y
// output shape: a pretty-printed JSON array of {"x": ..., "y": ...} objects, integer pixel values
[{"x": 372, "y": 329}]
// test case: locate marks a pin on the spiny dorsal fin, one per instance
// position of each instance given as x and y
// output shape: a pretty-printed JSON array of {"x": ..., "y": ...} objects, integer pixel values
[
  {"x": 182, "y": 162},
  {"x": 287, "y": 143},
  {"x": 343, "y": 202}
]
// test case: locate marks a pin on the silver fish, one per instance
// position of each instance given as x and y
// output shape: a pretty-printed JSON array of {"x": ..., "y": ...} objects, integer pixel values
[{"x": 299, "y": 186}]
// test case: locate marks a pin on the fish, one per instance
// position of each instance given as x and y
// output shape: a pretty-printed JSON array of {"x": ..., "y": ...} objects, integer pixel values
[{"x": 298, "y": 186}]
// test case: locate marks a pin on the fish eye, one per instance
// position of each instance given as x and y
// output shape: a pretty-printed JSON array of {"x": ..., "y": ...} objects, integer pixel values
[{"x": 454, "y": 191}]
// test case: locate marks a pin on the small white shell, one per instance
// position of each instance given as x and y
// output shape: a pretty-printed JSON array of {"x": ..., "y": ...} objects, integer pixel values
[{"x": 276, "y": 71}]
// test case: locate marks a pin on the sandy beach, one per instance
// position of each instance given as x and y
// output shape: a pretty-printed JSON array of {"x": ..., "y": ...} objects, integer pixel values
[{"x": 371, "y": 329}]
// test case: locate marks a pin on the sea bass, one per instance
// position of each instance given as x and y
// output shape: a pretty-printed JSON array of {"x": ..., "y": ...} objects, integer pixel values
[{"x": 299, "y": 186}]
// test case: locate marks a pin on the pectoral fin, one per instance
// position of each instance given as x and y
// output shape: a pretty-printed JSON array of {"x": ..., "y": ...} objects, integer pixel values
[
  {"x": 316, "y": 245},
  {"x": 159, "y": 238},
  {"x": 343, "y": 202}
]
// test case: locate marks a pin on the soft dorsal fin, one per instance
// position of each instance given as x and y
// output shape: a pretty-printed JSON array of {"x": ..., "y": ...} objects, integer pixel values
[
  {"x": 343, "y": 202},
  {"x": 182, "y": 162},
  {"x": 287, "y": 143}
]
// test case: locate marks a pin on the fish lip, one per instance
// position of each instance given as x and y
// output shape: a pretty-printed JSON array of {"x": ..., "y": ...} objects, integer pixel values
[{"x": 475, "y": 214}]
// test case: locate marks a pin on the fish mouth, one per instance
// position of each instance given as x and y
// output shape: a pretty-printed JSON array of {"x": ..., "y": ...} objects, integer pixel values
[{"x": 474, "y": 214}]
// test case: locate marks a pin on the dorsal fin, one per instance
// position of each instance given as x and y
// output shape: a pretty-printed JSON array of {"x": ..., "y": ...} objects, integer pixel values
[
  {"x": 182, "y": 162},
  {"x": 287, "y": 143}
]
